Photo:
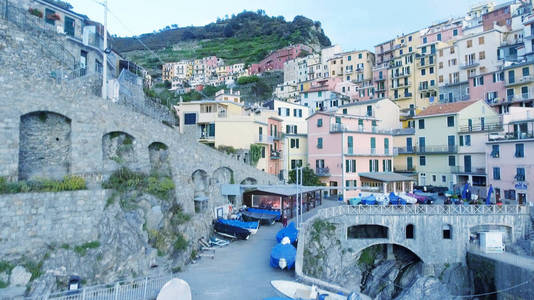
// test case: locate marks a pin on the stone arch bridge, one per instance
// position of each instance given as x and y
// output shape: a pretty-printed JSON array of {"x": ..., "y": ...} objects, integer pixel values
[{"x": 437, "y": 234}]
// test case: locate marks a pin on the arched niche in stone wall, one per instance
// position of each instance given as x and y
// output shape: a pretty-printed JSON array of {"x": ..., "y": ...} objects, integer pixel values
[
  {"x": 44, "y": 145},
  {"x": 249, "y": 181},
  {"x": 223, "y": 175},
  {"x": 200, "y": 184},
  {"x": 158, "y": 154},
  {"x": 118, "y": 150}
]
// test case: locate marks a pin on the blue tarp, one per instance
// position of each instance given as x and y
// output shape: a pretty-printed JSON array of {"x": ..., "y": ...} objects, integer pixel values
[
  {"x": 396, "y": 200},
  {"x": 488, "y": 198},
  {"x": 246, "y": 225},
  {"x": 355, "y": 201},
  {"x": 287, "y": 252},
  {"x": 264, "y": 211},
  {"x": 290, "y": 231},
  {"x": 369, "y": 200}
]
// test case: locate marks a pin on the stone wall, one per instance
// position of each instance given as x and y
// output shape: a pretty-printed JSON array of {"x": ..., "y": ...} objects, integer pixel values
[{"x": 29, "y": 222}]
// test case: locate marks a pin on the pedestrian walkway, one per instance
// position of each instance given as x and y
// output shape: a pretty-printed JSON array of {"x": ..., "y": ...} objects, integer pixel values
[{"x": 240, "y": 270}]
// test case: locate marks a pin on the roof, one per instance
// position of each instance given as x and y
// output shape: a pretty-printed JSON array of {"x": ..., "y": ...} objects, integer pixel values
[
  {"x": 444, "y": 109},
  {"x": 285, "y": 190},
  {"x": 385, "y": 176}
]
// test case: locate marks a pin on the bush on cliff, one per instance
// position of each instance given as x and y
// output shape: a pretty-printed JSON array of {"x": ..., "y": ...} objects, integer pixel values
[{"x": 68, "y": 183}]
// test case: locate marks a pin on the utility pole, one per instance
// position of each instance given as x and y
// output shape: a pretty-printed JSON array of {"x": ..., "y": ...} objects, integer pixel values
[{"x": 104, "y": 53}]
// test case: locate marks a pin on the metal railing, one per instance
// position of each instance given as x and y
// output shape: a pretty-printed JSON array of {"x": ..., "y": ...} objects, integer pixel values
[
  {"x": 496, "y": 126},
  {"x": 422, "y": 210},
  {"x": 437, "y": 149},
  {"x": 137, "y": 289},
  {"x": 263, "y": 139},
  {"x": 338, "y": 127},
  {"x": 322, "y": 172},
  {"x": 464, "y": 170},
  {"x": 404, "y": 150},
  {"x": 469, "y": 64},
  {"x": 520, "y": 80},
  {"x": 276, "y": 154}
]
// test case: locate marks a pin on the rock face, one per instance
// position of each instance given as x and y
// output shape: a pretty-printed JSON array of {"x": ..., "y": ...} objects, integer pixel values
[
  {"x": 19, "y": 276},
  {"x": 427, "y": 288}
]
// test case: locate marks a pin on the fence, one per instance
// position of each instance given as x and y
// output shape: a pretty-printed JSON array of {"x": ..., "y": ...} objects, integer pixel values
[
  {"x": 137, "y": 289},
  {"x": 423, "y": 210}
]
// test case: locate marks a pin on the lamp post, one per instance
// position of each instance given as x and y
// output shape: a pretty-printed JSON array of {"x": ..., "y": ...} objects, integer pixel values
[{"x": 104, "y": 53}]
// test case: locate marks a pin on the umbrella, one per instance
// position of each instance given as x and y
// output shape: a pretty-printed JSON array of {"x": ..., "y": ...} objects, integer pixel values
[{"x": 490, "y": 191}]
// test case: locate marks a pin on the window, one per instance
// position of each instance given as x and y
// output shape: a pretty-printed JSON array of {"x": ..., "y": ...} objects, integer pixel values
[
  {"x": 295, "y": 143},
  {"x": 497, "y": 173},
  {"x": 386, "y": 146},
  {"x": 481, "y": 40},
  {"x": 319, "y": 143},
  {"x": 305, "y": 95},
  {"x": 349, "y": 58},
  {"x": 519, "y": 150},
  {"x": 344, "y": 111},
  {"x": 423, "y": 72},
  {"x": 350, "y": 166},
  {"x": 350, "y": 143},
  {"x": 369, "y": 110},
  {"x": 439, "y": 37},
  {"x": 455, "y": 32},
  {"x": 468, "y": 140},
  {"x": 422, "y": 160},
  {"x": 443, "y": 178},
  {"x": 409, "y": 231},
  {"x": 447, "y": 232},
  {"x": 431, "y": 70},
  {"x": 319, "y": 122},
  {"x": 498, "y": 76},
  {"x": 452, "y": 160},
  {"x": 511, "y": 76},
  {"x": 319, "y": 94},
  {"x": 424, "y": 40},
  {"x": 461, "y": 140},
  {"x": 262, "y": 152},
  {"x": 319, "y": 163},
  {"x": 469, "y": 43},
  {"x": 482, "y": 55},
  {"x": 422, "y": 124},
  {"x": 359, "y": 55},
  {"x": 450, "y": 121},
  {"x": 520, "y": 174},
  {"x": 434, "y": 178},
  {"x": 526, "y": 71},
  {"x": 296, "y": 163},
  {"x": 69, "y": 26},
  {"x": 288, "y": 112},
  {"x": 495, "y": 153},
  {"x": 410, "y": 38}
]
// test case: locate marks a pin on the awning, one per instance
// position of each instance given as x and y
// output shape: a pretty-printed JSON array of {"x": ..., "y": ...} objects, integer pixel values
[{"x": 386, "y": 176}]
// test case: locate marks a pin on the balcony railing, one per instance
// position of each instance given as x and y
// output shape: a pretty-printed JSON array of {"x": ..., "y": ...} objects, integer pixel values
[
  {"x": 404, "y": 150},
  {"x": 322, "y": 172},
  {"x": 469, "y": 64},
  {"x": 464, "y": 170},
  {"x": 337, "y": 128},
  {"x": 497, "y": 126},
  {"x": 521, "y": 80},
  {"x": 403, "y": 96},
  {"x": 427, "y": 87},
  {"x": 404, "y": 170},
  {"x": 437, "y": 149},
  {"x": 510, "y": 136},
  {"x": 204, "y": 136},
  {"x": 263, "y": 139},
  {"x": 518, "y": 98},
  {"x": 370, "y": 152},
  {"x": 400, "y": 74},
  {"x": 277, "y": 136}
]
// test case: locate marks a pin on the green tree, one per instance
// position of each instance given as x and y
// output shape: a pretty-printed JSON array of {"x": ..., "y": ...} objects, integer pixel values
[{"x": 309, "y": 178}]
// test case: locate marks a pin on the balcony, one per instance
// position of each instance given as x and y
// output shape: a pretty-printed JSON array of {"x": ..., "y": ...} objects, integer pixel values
[
  {"x": 370, "y": 152},
  {"x": 403, "y": 96},
  {"x": 276, "y": 154},
  {"x": 496, "y": 126},
  {"x": 471, "y": 171},
  {"x": 263, "y": 139},
  {"x": 521, "y": 80},
  {"x": 511, "y": 136},
  {"x": 206, "y": 137},
  {"x": 322, "y": 172},
  {"x": 423, "y": 88},
  {"x": 277, "y": 136},
  {"x": 404, "y": 170},
  {"x": 404, "y": 150},
  {"x": 469, "y": 64},
  {"x": 518, "y": 98},
  {"x": 399, "y": 74},
  {"x": 338, "y": 128},
  {"x": 441, "y": 149}
]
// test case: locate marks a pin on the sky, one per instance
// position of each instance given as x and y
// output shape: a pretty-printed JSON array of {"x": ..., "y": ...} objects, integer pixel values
[{"x": 353, "y": 24}]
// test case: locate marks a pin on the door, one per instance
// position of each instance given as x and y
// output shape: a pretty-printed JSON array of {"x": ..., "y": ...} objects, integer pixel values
[
  {"x": 521, "y": 198},
  {"x": 467, "y": 163},
  {"x": 409, "y": 144},
  {"x": 470, "y": 124},
  {"x": 409, "y": 163},
  {"x": 333, "y": 191},
  {"x": 422, "y": 144},
  {"x": 482, "y": 123},
  {"x": 450, "y": 143},
  {"x": 69, "y": 26},
  {"x": 48, "y": 16}
]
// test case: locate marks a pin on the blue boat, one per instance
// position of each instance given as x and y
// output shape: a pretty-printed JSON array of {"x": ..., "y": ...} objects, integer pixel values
[
  {"x": 396, "y": 200},
  {"x": 262, "y": 215},
  {"x": 355, "y": 200},
  {"x": 231, "y": 231},
  {"x": 369, "y": 200},
  {"x": 283, "y": 255},
  {"x": 250, "y": 226},
  {"x": 289, "y": 231}
]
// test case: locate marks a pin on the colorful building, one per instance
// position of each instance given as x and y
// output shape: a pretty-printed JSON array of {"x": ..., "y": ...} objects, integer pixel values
[
  {"x": 509, "y": 157},
  {"x": 276, "y": 60},
  {"x": 450, "y": 142}
]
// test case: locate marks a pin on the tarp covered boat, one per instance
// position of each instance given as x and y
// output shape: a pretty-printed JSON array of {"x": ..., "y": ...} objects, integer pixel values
[
  {"x": 283, "y": 255},
  {"x": 289, "y": 231},
  {"x": 250, "y": 226},
  {"x": 409, "y": 199},
  {"x": 396, "y": 200},
  {"x": 175, "y": 289},
  {"x": 262, "y": 215},
  {"x": 231, "y": 230},
  {"x": 295, "y": 290},
  {"x": 369, "y": 200},
  {"x": 355, "y": 200}
]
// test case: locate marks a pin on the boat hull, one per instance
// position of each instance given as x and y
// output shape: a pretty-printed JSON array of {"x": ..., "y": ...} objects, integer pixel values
[{"x": 231, "y": 231}]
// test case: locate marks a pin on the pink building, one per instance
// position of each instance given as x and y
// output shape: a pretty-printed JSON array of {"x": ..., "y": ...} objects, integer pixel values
[
  {"x": 445, "y": 31},
  {"x": 352, "y": 156},
  {"x": 510, "y": 155},
  {"x": 500, "y": 16},
  {"x": 488, "y": 87},
  {"x": 276, "y": 60}
]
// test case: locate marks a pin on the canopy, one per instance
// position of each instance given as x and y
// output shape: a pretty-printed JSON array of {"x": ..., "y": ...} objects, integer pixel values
[
  {"x": 289, "y": 231},
  {"x": 285, "y": 252}
]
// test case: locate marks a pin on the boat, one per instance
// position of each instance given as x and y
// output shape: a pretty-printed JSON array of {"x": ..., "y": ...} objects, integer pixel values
[
  {"x": 283, "y": 255},
  {"x": 409, "y": 199},
  {"x": 289, "y": 231},
  {"x": 355, "y": 200},
  {"x": 382, "y": 199},
  {"x": 250, "y": 226},
  {"x": 369, "y": 200},
  {"x": 175, "y": 289},
  {"x": 231, "y": 231},
  {"x": 295, "y": 290},
  {"x": 396, "y": 200},
  {"x": 421, "y": 199},
  {"x": 263, "y": 215}
]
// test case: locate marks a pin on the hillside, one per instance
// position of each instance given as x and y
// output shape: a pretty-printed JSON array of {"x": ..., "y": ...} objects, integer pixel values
[{"x": 247, "y": 37}]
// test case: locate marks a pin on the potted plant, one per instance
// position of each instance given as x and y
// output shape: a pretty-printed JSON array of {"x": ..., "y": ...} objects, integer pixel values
[
  {"x": 35, "y": 12},
  {"x": 54, "y": 17}
]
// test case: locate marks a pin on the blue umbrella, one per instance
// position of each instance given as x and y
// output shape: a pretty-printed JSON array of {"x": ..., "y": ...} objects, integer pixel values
[{"x": 488, "y": 198}]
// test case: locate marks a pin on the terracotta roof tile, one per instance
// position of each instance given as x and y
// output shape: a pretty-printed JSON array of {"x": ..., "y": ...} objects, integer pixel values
[{"x": 444, "y": 109}]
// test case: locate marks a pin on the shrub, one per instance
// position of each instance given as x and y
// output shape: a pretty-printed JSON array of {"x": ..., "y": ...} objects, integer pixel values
[
  {"x": 68, "y": 183},
  {"x": 34, "y": 268},
  {"x": 247, "y": 79},
  {"x": 160, "y": 187},
  {"x": 82, "y": 249},
  {"x": 6, "y": 267},
  {"x": 181, "y": 243},
  {"x": 35, "y": 12}
]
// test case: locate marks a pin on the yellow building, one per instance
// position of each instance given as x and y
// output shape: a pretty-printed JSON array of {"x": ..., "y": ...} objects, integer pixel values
[
  {"x": 426, "y": 75},
  {"x": 519, "y": 85},
  {"x": 355, "y": 66},
  {"x": 404, "y": 159}
]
